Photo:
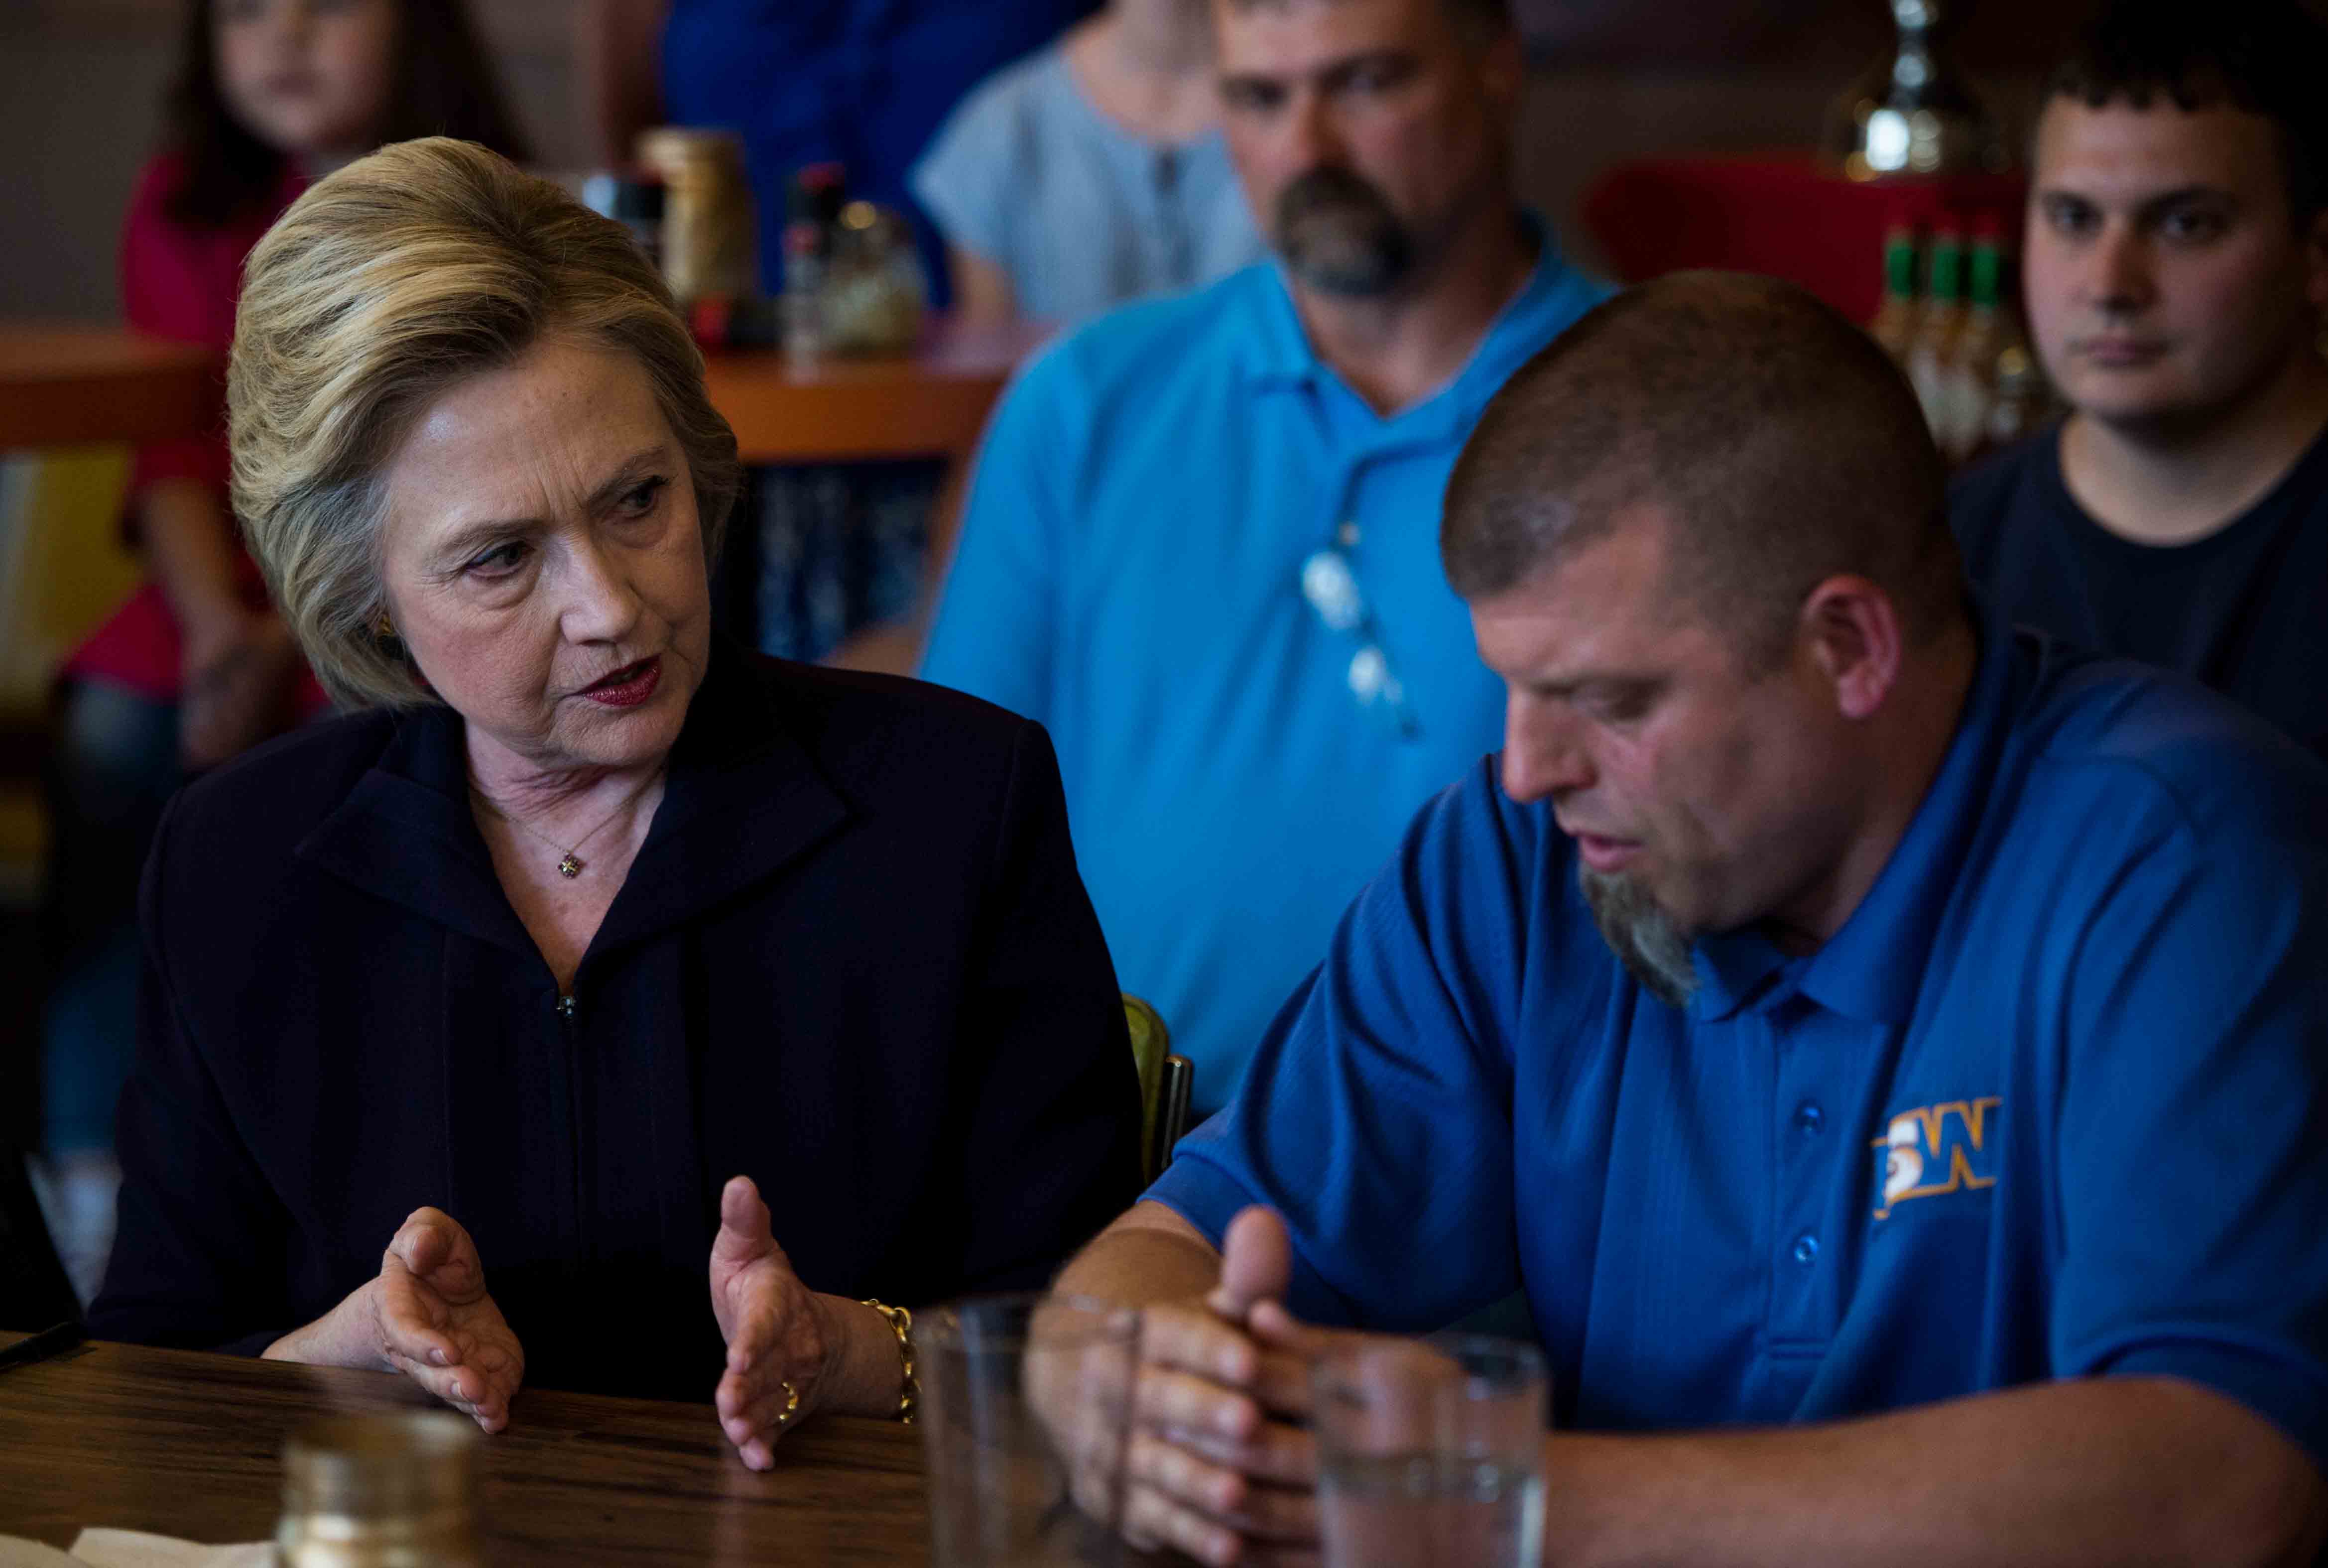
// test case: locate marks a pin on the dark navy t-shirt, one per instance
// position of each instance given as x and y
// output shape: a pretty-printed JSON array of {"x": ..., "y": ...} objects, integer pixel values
[{"x": 2244, "y": 610}]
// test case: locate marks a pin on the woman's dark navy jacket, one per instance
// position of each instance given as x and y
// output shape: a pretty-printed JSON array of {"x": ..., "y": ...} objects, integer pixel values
[{"x": 853, "y": 961}]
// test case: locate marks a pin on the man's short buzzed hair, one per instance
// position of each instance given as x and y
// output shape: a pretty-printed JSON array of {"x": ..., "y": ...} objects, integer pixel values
[
  {"x": 1778, "y": 440},
  {"x": 2267, "y": 57},
  {"x": 1480, "y": 19}
]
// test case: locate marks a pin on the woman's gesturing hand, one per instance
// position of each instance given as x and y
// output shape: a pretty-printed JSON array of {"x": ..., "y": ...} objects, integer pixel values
[
  {"x": 780, "y": 1343},
  {"x": 439, "y": 1327},
  {"x": 426, "y": 1314}
]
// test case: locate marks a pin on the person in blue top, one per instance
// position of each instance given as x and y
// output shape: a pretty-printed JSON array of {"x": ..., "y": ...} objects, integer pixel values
[
  {"x": 1199, "y": 542},
  {"x": 1891, "y": 1052},
  {"x": 864, "y": 83},
  {"x": 1090, "y": 174}
]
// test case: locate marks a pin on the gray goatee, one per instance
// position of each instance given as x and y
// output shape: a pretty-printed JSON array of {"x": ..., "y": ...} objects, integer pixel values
[
  {"x": 1336, "y": 232},
  {"x": 1641, "y": 934}
]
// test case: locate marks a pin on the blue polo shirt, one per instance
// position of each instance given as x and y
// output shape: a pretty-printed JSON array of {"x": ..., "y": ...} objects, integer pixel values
[
  {"x": 1130, "y": 576},
  {"x": 2053, "y": 1102}
]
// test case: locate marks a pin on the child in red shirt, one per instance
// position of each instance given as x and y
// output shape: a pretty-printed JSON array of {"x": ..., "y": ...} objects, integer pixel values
[{"x": 196, "y": 666}]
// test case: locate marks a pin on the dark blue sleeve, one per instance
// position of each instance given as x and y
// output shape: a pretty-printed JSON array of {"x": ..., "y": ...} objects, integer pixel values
[
  {"x": 2194, "y": 1130},
  {"x": 1375, "y": 1117}
]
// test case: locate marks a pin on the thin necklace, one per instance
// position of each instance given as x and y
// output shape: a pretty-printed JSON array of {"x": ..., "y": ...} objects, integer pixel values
[{"x": 570, "y": 864}]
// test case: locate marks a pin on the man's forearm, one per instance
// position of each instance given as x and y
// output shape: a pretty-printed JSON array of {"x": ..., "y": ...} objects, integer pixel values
[
  {"x": 2102, "y": 1471},
  {"x": 1149, "y": 1254}
]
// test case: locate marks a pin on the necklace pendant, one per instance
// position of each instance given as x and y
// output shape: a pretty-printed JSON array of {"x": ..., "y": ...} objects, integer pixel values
[{"x": 569, "y": 867}]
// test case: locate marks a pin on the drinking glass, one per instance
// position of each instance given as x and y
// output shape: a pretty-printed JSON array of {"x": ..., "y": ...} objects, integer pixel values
[
  {"x": 377, "y": 1492},
  {"x": 1430, "y": 1452},
  {"x": 1026, "y": 1414}
]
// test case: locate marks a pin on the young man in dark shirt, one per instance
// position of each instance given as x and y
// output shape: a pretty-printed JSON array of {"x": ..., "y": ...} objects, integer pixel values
[{"x": 2176, "y": 265}]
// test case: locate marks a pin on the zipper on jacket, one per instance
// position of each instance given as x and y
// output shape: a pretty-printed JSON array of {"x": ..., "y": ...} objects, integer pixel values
[{"x": 567, "y": 1006}]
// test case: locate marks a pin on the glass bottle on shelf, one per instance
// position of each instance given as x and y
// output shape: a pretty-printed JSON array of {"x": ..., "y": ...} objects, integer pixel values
[
  {"x": 1967, "y": 370},
  {"x": 813, "y": 207},
  {"x": 1938, "y": 325},
  {"x": 2014, "y": 396},
  {"x": 1894, "y": 327},
  {"x": 2024, "y": 399},
  {"x": 874, "y": 293}
]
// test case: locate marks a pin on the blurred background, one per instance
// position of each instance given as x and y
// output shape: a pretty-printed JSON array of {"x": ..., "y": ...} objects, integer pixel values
[
  {"x": 1656, "y": 133},
  {"x": 1617, "y": 86},
  {"x": 1615, "y": 81}
]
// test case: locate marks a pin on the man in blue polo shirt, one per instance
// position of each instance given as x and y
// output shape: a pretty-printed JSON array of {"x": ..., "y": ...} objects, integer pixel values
[
  {"x": 1833, "y": 1005},
  {"x": 1200, "y": 546}
]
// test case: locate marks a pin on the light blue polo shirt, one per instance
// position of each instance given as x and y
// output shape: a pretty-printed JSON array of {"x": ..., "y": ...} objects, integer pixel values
[
  {"x": 2053, "y": 1104},
  {"x": 1130, "y": 576}
]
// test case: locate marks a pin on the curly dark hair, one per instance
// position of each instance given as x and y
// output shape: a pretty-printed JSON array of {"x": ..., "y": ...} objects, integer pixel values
[
  {"x": 2267, "y": 57},
  {"x": 444, "y": 85}
]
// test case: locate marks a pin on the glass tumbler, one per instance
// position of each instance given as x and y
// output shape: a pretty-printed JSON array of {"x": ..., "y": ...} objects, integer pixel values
[
  {"x": 1026, "y": 1416},
  {"x": 1430, "y": 1452}
]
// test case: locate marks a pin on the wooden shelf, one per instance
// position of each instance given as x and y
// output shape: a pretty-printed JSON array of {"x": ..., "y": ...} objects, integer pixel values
[
  {"x": 932, "y": 403},
  {"x": 62, "y": 385}
]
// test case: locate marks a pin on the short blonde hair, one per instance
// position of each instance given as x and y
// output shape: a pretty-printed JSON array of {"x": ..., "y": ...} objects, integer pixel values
[{"x": 390, "y": 281}]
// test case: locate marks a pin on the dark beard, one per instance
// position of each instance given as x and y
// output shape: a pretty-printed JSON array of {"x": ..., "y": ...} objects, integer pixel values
[
  {"x": 1642, "y": 935},
  {"x": 1337, "y": 233}
]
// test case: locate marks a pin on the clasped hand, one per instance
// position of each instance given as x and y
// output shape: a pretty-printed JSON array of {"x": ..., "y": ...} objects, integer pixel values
[
  {"x": 428, "y": 1315},
  {"x": 1220, "y": 1463}
]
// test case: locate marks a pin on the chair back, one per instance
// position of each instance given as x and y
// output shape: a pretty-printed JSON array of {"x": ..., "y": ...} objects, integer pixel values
[{"x": 1164, "y": 1084}]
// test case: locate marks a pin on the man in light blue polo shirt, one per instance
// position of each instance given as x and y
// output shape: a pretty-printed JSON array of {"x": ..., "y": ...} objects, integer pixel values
[
  {"x": 1200, "y": 547},
  {"x": 1892, "y": 1053}
]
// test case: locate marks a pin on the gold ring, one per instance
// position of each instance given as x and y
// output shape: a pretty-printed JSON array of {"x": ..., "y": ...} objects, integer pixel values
[{"x": 792, "y": 1402}]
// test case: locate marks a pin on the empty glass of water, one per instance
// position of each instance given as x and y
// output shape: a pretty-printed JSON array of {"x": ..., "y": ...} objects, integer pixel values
[
  {"x": 1430, "y": 1452},
  {"x": 1026, "y": 1411}
]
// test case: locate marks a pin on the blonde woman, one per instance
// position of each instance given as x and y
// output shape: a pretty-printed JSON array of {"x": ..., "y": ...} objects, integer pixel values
[{"x": 592, "y": 953}]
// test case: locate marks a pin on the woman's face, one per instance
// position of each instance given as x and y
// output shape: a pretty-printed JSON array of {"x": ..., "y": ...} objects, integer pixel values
[
  {"x": 309, "y": 78},
  {"x": 543, "y": 561}
]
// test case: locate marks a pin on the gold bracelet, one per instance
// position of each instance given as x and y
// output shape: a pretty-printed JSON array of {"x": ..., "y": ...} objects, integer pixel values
[{"x": 901, "y": 1324}]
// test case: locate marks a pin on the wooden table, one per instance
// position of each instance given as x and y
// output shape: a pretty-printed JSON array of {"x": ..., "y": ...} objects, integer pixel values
[
  {"x": 187, "y": 1445},
  {"x": 932, "y": 403},
  {"x": 62, "y": 385}
]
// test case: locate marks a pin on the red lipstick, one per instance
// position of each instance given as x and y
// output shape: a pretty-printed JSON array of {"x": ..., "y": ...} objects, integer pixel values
[{"x": 627, "y": 687}]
